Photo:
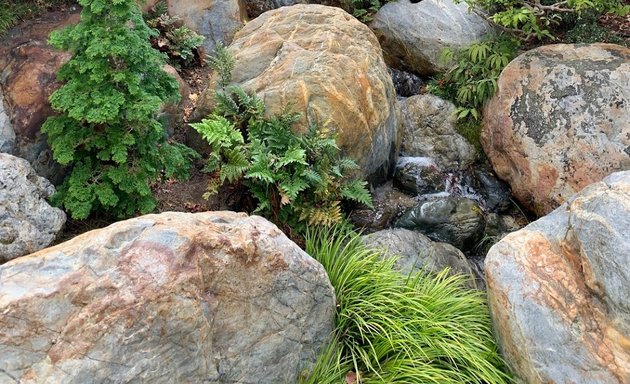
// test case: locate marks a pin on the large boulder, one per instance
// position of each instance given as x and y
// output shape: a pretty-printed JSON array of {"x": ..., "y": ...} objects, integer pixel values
[
  {"x": 413, "y": 34},
  {"x": 217, "y": 21},
  {"x": 559, "y": 121},
  {"x": 558, "y": 290},
  {"x": 416, "y": 252},
  {"x": 27, "y": 222},
  {"x": 428, "y": 124},
  {"x": 328, "y": 66},
  {"x": 451, "y": 219},
  {"x": 214, "y": 297},
  {"x": 28, "y": 71}
]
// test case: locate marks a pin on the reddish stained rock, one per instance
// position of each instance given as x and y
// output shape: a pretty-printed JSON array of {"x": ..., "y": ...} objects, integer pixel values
[
  {"x": 28, "y": 68},
  {"x": 177, "y": 297},
  {"x": 558, "y": 290},
  {"x": 559, "y": 121}
]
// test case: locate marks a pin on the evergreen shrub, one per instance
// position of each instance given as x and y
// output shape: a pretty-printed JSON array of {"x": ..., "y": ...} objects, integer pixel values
[{"x": 107, "y": 127}]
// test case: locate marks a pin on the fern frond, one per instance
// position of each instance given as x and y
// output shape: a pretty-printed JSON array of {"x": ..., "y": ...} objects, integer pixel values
[
  {"x": 237, "y": 164},
  {"x": 356, "y": 190},
  {"x": 293, "y": 187},
  {"x": 223, "y": 63},
  {"x": 312, "y": 176},
  {"x": 322, "y": 216},
  {"x": 293, "y": 155}
]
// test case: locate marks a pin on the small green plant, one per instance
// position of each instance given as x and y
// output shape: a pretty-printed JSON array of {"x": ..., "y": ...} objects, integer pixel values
[
  {"x": 534, "y": 18},
  {"x": 296, "y": 178},
  {"x": 179, "y": 42},
  {"x": 107, "y": 127},
  {"x": 393, "y": 328},
  {"x": 586, "y": 30},
  {"x": 472, "y": 79},
  {"x": 14, "y": 11},
  {"x": 364, "y": 10}
]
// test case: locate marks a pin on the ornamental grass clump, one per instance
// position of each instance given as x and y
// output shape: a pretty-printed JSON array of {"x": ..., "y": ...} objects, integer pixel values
[
  {"x": 394, "y": 328},
  {"x": 107, "y": 127}
]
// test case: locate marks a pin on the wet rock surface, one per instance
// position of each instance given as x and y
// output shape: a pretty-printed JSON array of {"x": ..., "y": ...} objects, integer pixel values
[
  {"x": 418, "y": 176},
  {"x": 429, "y": 131},
  {"x": 389, "y": 204},
  {"x": 451, "y": 219}
]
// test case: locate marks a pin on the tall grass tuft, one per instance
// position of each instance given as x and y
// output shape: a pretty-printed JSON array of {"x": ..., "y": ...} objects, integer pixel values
[{"x": 393, "y": 328}]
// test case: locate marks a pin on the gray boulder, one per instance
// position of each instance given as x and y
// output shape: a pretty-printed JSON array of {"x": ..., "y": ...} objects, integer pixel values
[
  {"x": 451, "y": 219},
  {"x": 559, "y": 121},
  {"x": 415, "y": 251},
  {"x": 413, "y": 34},
  {"x": 418, "y": 176},
  {"x": 217, "y": 21},
  {"x": 429, "y": 131},
  {"x": 7, "y": 135},
  {"x": 256, "y": 7},
  {"x": 558, "y": 290},
  {"x": 27, "y": 222},
  {"x": 214, "y": 297}
]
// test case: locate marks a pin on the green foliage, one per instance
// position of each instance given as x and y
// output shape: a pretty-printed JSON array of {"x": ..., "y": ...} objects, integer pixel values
[
  {"x": 179, "y": 42},
  {"x": 14, "y": 11},
  {"x": 472, "y": 79},
  {"x": 364, "y": 10},
  {"x": 587, "y": 30},
  {"x": 393, "y": 328},
  {"x": 107, "y": 127},
  {"x": 534, "y": 18},
  {"x": 223, "y": 63},
  {"x": 296, "y": 178}
]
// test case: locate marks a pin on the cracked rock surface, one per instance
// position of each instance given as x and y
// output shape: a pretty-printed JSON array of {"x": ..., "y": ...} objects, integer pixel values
[
  {"x": 27, "y": 222},
  {"x": 214, "y": 297},
  {"x": 559, "y": 121},
  {"x": 558, "y": 290}
]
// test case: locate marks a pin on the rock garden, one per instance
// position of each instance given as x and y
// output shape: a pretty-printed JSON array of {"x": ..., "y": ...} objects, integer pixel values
[{"x": 314, "y": 191}]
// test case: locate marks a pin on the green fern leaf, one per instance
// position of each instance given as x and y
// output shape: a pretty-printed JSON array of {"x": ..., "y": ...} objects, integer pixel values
[{"x": 356, "y": 190}]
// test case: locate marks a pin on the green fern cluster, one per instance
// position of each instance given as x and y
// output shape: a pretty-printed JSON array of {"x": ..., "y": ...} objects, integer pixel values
[
  {"x": 107, "y": 127},
  {"x": 179, "y": 42},
  {"x": 297, "y": 179}
]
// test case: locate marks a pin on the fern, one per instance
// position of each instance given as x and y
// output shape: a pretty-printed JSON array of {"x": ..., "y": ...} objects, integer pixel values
[
  {"x": 322, "y": 216},
  {"x": 223, "y": 63},
  {"x": 298, "y": 180}
]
